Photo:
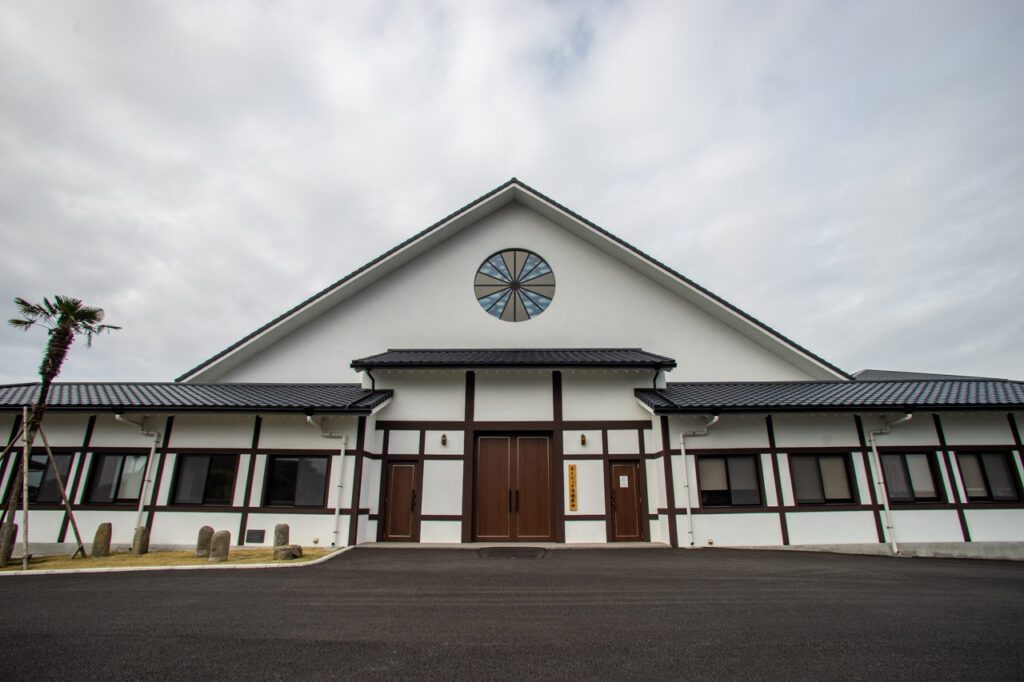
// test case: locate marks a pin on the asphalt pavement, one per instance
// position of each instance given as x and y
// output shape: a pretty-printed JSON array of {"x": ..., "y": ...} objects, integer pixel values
[{"x": 576, "y": 614}]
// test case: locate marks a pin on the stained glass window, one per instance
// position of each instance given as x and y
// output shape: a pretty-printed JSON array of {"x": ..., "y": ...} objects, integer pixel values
[{"x": 514, "y": 285}]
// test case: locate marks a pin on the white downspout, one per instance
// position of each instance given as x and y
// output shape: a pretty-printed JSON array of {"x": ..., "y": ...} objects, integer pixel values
[
  {"x": 341, "y": 475},
  {"x": 883, "y": 492},
  {"x": 147, "y": 478},
  {"x": 686, "y": 473}
]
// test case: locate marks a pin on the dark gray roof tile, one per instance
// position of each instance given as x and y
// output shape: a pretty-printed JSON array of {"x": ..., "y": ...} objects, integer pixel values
[{"x": 515, "y": 357}]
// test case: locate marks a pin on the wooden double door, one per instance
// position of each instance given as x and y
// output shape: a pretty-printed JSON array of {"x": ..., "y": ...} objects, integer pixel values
[{"x": 512, "y": 493}]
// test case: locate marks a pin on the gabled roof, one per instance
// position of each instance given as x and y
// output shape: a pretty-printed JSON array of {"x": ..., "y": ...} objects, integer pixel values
[
  {"x": 514, "y": 357},
  {"x": 514, "y": 190},
  {"x": 169, "y": 397},
  {"x": 823, "y": 396}
]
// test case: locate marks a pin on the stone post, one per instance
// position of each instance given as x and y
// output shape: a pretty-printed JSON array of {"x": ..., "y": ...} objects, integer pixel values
[
  {"x": 203, "y": 543},
  {"x": 281, "y": 534},
  {"x": 101, "y": 541},
  {"x": 8, "y": 536},
  {"x": 140, "y": 543},
  {"x": 219, "y": 546}
]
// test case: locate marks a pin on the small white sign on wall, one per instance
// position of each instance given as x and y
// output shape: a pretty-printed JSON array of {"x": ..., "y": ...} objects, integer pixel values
[{"x": 623, "y": 481}]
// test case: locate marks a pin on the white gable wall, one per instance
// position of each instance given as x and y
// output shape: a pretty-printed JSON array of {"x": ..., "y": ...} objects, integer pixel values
[{"x": 429, "y": 303}]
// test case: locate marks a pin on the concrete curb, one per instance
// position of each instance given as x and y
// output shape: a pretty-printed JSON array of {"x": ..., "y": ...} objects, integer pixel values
[{"x": 131, "y": 569}]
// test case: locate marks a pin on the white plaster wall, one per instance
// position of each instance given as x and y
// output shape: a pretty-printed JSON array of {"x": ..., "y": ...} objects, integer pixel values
[
  {"x": 830, "y": 527},
  {"x": 403, "y": 442},
  {"x": 731, "y": 431},
  {"x": 370, "y": 488},
  {"x": 589, "y": 487},
  {"x": 926, "y": 525},
  {"x": 432, "y": 443},
  {"x": 771, "y": 497},
  {"x": 303, "y": 528},
  {"x": 590, "y": 395},
  {"x": 623, "y": 442},
  {"x": 782, "y": 461},
  {"x": 918, "y": 431},
  {"x": 994, "y": 525},
  {"x": 227, "y": 431},
  {"x": 86, "y": 464},
  {"x": 814, "y": 430},
  {"x": 678, "y": 482},
  {"x": 571, "y": 444},
  {"x": 182, "y": 528},
  {"x": 652, "y": 440},
  {"x": 44, "y": 526},
  {"x": 440, "y": 531},
  {"x": 419, "y": 394},
  {"x": 442, "y": 487},
  {"x": 513, "y": 396},
  {"x": 948, "y": 484},
  {"x": 976, "y": 428},
  {"x": 366, "y": 530},
  {"x": 258, "y": 474},
  {"x": 122, "y": 524},
  {"x": 66, "y": 430},
  {"x": 109, "y": 433},
  {"x": 429, "y": 302},
  {"x": 861, "y": 477},
  {"x": 732, "y": 530},
  {"x": 577, "y": 532},
  {"x": 655, "y": 485},
  {"x": 164, "y": 493},
  {"x": 293, "y": 432},
  {"x": 659, "y": 529},
  {"x": 339, "y": 469}
]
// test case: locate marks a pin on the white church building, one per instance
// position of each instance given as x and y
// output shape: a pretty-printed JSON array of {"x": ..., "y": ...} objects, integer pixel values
[{"x": 515, "y": 373}]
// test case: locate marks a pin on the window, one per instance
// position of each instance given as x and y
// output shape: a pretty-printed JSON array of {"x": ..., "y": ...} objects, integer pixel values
[
  {"x": 205, "y": 479},
  {"x": 296, "y": 481},
  {"x": 728, "y": 481},
  {"x": 42, "y": 486},
  {"x": 910, "y": 477},
  {"x": 820, "y": 479},
  {"x": 116, "y": 478},
  {"x": 989, "y": 476},
  {"x": 514, "y": 285}
]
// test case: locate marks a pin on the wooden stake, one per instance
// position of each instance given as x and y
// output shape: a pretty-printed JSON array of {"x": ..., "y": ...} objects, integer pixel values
[{"x": 63, "y": 495}]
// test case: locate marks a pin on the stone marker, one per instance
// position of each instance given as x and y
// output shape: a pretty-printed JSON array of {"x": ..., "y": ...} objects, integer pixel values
[
  {"x": 203, "y": 543},
  {"x": 219, "y": 546},
  {"x": 280, "y": 534},
  {"x": 140, "y": 543},
  {"x": 285, "y": 552},
  {"x": 101, "y": 541},
  {"x": 8, "y": 535}
]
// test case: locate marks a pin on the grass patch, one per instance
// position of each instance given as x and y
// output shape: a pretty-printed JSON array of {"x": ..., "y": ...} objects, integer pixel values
[{"x": 180, "y": 558}]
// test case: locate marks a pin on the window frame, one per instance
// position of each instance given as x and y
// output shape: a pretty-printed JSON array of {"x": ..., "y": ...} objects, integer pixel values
[
  {"x": 1015, "y": 477},
  {"x": 94, "y": 472},
  {"x": 934, "y": 468},
  {"x": 758, "y": 473},
  {"x": 268, "y": 472},
  {"x": 848, "y": 468},
  {"x": 176, "y": 480}
]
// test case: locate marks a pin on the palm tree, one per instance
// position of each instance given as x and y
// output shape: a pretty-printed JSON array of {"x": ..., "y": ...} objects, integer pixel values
[{"x": 64, "y": 317}]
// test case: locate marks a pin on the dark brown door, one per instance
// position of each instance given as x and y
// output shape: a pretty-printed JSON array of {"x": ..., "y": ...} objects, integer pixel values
[
  {"x": 401, "y": 503},
  {"x": 512, "y": 495},
  {"x": 626, "y": 502}
]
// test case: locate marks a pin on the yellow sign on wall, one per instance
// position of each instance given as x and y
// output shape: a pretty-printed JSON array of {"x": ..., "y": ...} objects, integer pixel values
[{"x": 572, "y": 488}]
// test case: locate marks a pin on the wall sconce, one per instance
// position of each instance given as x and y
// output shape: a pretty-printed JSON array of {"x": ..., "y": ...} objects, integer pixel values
[
  {"x": 444, "y": 439},
  {"x": 583, "y": 439}
]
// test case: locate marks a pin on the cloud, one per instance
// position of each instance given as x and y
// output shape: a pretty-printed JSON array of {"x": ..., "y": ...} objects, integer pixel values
[{"x": 849, "y": 173}]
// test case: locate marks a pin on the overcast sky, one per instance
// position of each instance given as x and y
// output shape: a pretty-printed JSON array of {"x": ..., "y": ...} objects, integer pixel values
[{"x": 850, "y": 173}]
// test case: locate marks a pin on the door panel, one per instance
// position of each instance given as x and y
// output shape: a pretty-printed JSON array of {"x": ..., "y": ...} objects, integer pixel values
[
  {"x": 626, "y": 501},
  {"x": 401, "y": 502},
  {"x": 493, "y": 485},
  {"x": 512, "y": 492},
  {"x": 533, "y": 492}
]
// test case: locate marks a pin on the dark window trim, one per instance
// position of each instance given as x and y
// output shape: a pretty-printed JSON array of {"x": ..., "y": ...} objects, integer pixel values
[
  {"x": 851, "y": 479},
  {"x": 175, "y": 480},
  {"x": 725, "y": 455},
  {"x": 1007, "y": 454},
  {"x": 935, "y": 468},
  {"x": 266, "y": 482}
]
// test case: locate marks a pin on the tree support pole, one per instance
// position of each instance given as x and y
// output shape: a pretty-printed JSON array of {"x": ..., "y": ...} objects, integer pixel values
[
  {"x": 63, "y": 495},
  {"x": 24, "y": 493}
]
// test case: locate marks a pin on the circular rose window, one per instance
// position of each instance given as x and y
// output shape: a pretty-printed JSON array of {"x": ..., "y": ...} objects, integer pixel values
[{"x": 514, "y": 285}]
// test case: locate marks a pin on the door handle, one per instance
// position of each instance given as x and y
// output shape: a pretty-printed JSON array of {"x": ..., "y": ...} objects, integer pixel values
[
  {"x": 613, "y": 499},
  {"x": 413, "y": 506}
]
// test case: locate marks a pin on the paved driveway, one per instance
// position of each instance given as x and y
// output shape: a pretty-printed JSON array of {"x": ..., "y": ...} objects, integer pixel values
[{"x": 568, "y": 614}]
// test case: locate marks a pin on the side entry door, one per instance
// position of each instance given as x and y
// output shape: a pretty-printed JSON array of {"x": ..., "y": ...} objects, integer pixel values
[
  {"x": 401, "y": 502},
  {"x": 626, "y": 502}
]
